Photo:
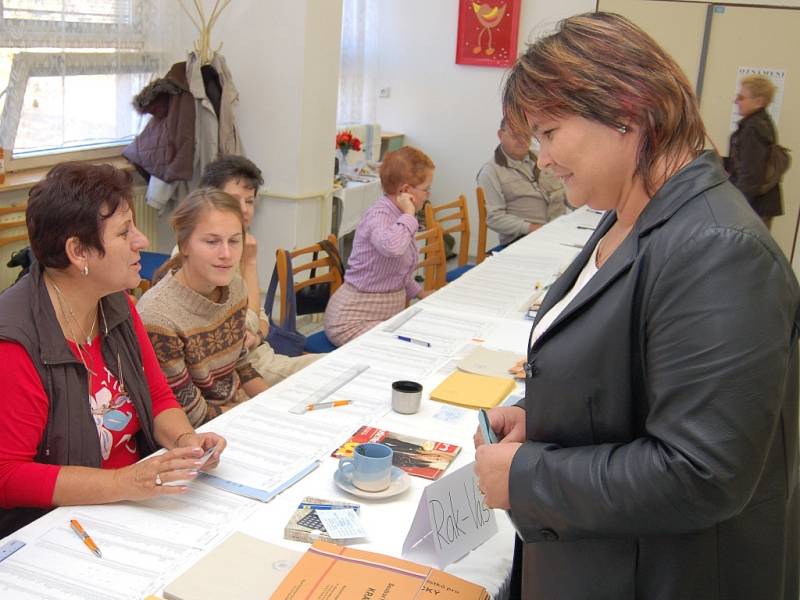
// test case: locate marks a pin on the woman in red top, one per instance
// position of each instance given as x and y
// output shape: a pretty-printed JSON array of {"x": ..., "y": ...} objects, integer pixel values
[{"x": 83, "y": 395}]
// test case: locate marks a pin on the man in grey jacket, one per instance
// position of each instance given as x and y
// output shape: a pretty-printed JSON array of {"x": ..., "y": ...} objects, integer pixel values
[{"x": 519, "y": 197}]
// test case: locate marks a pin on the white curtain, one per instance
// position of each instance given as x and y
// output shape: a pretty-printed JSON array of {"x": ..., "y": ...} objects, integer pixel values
[
  {"x": 359, "y": 62},
  {"x": 69, "y": 69}
]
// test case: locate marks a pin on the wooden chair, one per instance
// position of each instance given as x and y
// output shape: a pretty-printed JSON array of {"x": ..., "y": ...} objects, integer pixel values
[
  {"x": 303, "y": 262},
  {"x": 432, "y": 258},
  {"x": 13, "y": 231},
  {"x": 150, "y": 261},
  {"x": 452, "y": 217},
  {"x": 483, "y": 228},
  {"x": 15, "y": 220}
]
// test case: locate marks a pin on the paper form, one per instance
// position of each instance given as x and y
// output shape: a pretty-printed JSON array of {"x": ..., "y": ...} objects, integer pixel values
[
  {"x": 142, "y": 544},
  {"x": 267, "y": 448},
  {"x": 406, "y": 361},
  {"x": 444, "y": 331}
]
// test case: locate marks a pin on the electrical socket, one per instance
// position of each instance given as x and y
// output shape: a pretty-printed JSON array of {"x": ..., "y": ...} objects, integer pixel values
[{"x": 384, "y": 92}]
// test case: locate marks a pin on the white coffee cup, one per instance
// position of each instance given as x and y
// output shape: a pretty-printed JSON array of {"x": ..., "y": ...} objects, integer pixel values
[{"x": 406, "y": 397}]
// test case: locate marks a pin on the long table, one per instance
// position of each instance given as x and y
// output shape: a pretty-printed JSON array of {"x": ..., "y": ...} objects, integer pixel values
[{"x": 146, "y": 545}]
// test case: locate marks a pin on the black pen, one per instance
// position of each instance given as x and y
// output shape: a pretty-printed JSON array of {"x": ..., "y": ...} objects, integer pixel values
[{"x": 587, "y": 228}]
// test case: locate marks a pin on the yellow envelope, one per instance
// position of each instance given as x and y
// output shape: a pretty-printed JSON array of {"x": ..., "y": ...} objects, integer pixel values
[{"x": 474, "y": 391}]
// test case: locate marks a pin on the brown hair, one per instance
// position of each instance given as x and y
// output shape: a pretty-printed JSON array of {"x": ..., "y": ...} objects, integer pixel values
[
  {"x": 760, "y": 86},
  {"x": 188, "y": 214},
  {"x": 602, "y": 67},
  {"x": 74, "y": 200},
  {"x": 232, "y": 167},
  {"x": 404, "y": 166}
]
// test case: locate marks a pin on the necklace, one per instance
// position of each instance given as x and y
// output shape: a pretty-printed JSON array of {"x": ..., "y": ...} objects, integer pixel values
[
  {"x": 62, "y": 301},
  {"x": 67, "y": 314}
]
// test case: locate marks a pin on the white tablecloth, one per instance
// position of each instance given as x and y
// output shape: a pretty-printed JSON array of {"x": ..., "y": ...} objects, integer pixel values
[{"x": 356, "y": 198}]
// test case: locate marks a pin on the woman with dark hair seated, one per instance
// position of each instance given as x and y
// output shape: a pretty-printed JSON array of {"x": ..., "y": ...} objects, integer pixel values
[{"x": 83, "y": 395}]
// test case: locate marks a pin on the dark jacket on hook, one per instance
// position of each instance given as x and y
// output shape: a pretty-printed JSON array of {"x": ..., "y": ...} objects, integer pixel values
[{"x": 165, "y": 148}]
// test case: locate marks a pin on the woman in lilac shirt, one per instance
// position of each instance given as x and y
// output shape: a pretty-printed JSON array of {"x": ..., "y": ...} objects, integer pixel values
[{"x": 380, "y": 273}]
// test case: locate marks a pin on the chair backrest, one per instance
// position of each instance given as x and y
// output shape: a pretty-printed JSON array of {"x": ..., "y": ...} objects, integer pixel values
[
  {"x": 330, "y": 264},
  {"x": 151, "y": 262},
  {"x": 13, "y": 218},
  {"x": 452, "y": 217},
  {"x": 432, "y": 257},
  {"x": 482, "y": 226}
]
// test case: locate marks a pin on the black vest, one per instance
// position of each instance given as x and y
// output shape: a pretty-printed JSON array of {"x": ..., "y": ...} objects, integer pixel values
[{"x": 70, "y": 436}]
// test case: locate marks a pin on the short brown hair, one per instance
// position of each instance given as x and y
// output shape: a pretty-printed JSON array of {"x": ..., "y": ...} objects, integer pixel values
[
  {"x": 406, "y": 165},
  {"x": 760, "y": 86},
  {"x": 602, "y": 67},
  {"x": 187, "y": 215},
  {"x": 232, "y": 167},
  {"x": 74, "y": 200}
]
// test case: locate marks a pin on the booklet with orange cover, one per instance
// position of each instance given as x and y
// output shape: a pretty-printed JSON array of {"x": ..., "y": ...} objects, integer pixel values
[
  {"x": 329, "y": 571},
  {"x": 416, "y": 456}
]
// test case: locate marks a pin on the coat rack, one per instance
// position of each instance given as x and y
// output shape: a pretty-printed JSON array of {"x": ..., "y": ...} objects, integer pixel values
[{"x": 203, "y": 44}]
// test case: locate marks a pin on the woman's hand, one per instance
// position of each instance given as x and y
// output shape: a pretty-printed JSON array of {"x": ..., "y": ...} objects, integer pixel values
[
  {"x": 250, "y": 249},
  {"x": 518, "y": 370},
  {"x": 508, "y": 422},
  {"x": 492, "y": 466},
  {"x": 204, "y": 441},
  {"x": 156, "y": 476},
  {"x": 251, "y": 340},
  {"x": 405, "y": 202}
]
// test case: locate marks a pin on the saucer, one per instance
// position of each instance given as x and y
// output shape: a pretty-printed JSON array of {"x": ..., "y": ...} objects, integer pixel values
[{"x": 399, "y": 484}]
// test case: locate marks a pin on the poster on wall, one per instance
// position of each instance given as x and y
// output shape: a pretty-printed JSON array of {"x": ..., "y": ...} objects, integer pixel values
[
  {"x": 776, "y": 76},
  {"x": 487, "y": 32}
]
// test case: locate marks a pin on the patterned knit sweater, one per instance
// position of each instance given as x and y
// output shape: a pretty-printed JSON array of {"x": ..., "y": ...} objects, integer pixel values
[{"x": 199, "y": 344}]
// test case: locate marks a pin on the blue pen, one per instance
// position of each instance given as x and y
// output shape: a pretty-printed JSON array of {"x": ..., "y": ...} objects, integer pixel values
[
  {"x": 404, "y": 338},
  {"x": 326, "y": 506}
]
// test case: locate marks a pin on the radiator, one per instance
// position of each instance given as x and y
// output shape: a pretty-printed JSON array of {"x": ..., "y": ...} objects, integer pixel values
[{"x": 146, "y": 217}]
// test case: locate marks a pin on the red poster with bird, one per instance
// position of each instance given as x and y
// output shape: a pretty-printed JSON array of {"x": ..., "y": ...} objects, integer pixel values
[{"x": 487, "y": 32}]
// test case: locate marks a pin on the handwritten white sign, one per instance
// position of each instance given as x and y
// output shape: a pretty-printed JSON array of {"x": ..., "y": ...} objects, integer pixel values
[{"x": 451, "y": 520}]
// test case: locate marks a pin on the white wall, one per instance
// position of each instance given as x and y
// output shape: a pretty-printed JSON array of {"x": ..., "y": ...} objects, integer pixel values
[{"x": 449, "y": 111}]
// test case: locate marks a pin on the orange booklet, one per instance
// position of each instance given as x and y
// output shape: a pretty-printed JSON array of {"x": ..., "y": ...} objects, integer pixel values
[{"x": 329, "y": 571}]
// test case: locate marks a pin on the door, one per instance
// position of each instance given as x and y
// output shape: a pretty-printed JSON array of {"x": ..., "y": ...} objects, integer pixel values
[{"x": 764, "y": 38}]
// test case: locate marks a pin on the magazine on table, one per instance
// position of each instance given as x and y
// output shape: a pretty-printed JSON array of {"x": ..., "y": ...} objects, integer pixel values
[{"x": 416, "y": 456}]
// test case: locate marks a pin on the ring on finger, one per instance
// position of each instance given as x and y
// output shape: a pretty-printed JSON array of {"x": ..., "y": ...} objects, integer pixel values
[{"x": 158, "y": 479}]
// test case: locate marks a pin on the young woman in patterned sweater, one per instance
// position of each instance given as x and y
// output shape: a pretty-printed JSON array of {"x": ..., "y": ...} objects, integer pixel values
[{"x": 195, "y": 315}]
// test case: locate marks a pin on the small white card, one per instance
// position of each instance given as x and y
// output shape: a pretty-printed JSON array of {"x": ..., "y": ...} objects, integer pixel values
[
  {"x": 451, "y": 520},
  {"x": 342, "y": 524}
]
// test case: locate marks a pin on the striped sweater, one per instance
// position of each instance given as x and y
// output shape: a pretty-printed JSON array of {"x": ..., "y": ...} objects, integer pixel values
[{"x": 199, "y": 344}]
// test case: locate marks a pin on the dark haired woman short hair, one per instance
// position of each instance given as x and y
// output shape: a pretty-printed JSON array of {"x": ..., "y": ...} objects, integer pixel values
[{"x": 83, "y": 396}]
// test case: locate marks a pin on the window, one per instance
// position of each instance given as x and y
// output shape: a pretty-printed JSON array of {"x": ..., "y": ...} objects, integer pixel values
[
  {"x": 68, "y": 72},
  {"x": 358, "y": 62}
]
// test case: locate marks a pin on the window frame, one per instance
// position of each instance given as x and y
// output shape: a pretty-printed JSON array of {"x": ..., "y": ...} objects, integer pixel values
[
  {"x": 126, "y": 40},
  {"x": 38, "y": 64},
  {"x": 76, "y": 34}
]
